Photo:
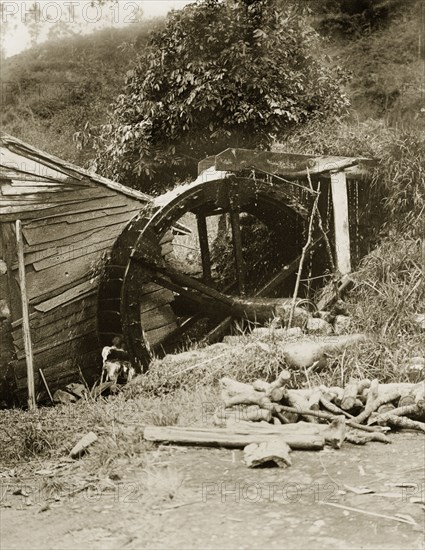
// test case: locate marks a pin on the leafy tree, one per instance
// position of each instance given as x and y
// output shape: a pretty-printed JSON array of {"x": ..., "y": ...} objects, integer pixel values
[{"x": 220, "y": 74}]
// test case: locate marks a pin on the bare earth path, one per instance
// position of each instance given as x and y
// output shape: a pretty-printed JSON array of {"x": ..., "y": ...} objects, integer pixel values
[{"x": 219, "y": 503}]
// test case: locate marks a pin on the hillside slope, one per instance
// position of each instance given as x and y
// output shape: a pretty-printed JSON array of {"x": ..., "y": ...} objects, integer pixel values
[{"x": 51, "y": 91}]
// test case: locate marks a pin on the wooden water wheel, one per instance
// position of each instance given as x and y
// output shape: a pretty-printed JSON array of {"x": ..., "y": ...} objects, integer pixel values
[{"x": 155, "y": 295}]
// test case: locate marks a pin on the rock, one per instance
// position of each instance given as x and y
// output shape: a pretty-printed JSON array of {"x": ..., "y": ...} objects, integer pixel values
[
  {"x": 299, "y": 318},
  {"x": 326, "y": 316},
  {"x": 276, "y": 334},
  {"x": 64, "y": 397},
  {"x": 79, "y": 390},
  {"x": 415, "y": 369},
  {"x": 273, "y": 452},
  {"x": 340, "y": 308},
  {"x": 83, "y": 444},
  {"x": 342, "y": 324},
  {"x": 419, "y": 319},
  {"x": 304, "y": 353},
  {"x": 318, "y": 326}
]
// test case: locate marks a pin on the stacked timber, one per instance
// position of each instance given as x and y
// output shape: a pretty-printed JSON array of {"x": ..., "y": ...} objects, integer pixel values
[{"x": 269, "y": 420}]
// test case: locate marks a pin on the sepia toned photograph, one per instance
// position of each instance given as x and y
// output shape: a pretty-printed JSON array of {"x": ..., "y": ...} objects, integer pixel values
[{"x": 212, "y": 274}]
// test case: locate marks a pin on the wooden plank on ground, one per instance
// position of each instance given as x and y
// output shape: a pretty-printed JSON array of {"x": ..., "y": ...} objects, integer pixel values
[{"x": 230, "y": 437}]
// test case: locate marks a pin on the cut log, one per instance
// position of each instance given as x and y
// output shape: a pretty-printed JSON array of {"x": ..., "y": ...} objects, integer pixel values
[
  {"x": 260, "y": 385},
  {"x": 349, "y": 396},
  {"x": 362, "y": 439},
  {"x": 382, "y": 419},
  {"x": 372, "y": 396},
  {"x": 274, "y": 452},
  {"x": 298, "y": 402},
  {"x": 249, "y": 398},
  {"x": 232, "y": 438},
  {"x": 233, "y": 387},
  {"x": 406, "y": 423}
]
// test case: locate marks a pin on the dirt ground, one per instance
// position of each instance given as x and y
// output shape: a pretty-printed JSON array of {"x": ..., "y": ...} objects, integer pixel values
[{"x": 207, "y": 498}]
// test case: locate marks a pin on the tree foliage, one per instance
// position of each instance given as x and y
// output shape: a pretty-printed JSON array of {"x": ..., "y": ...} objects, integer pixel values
[{"x": 220, "y": 74}]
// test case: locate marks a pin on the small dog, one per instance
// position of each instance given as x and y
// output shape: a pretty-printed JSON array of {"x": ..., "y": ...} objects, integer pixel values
[{"x": 115, "y": 362}]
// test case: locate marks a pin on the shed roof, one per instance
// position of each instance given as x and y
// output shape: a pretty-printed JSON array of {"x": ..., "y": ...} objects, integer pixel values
[{"x": 20, "y": 158}]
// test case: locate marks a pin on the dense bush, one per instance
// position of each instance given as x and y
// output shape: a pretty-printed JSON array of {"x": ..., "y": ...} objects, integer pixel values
[{"x": 221, "y": 74}]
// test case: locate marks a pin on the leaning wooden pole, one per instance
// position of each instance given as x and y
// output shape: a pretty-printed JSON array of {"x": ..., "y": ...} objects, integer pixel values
[{"x": 32, "y": 405}]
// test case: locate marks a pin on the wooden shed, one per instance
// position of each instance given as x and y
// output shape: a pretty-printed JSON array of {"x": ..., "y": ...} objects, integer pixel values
[{"x": 70, "y": 218}]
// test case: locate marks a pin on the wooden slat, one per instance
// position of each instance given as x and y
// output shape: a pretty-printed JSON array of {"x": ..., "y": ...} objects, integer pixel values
[
  {"x": 86, "y": 307},
  {"x": 41, "y": 282},
  {"x": 61, "y": 373},
  {"x": 113, "y": 206},
  {"x": 13, "y": 160},
  {"x": 154, "y": 337},
  {"x": 51, "y": 210},
  {"x": 62, "y": 197},
  {"x": 42, "y": 182},
  {"x": 92, "y": 240},
  {"x": 73, "y": 253},
  {"x": 153, "y": 300},
  {"x": 77, "y": 292},
  {"x": 157, "y": 318},
  {"x": 108, "y": 232},
  {"x": 50, "y": 233},
  {"x": 12, "y": 190},
  {"x": 48, "y": 335},
  {"x": 27, "y": 150},
  {"x": 67, "y": 349}
]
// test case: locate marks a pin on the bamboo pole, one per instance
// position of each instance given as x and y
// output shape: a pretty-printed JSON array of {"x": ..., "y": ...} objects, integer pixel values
[
  {"x": 26, "y": 334},
  {"x": 303, "y": 254}
]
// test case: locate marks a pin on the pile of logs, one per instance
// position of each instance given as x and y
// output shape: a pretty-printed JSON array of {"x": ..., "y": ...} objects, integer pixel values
[
  {"x": 269, "y": 420},
  {"x": 364, "y": 403}
]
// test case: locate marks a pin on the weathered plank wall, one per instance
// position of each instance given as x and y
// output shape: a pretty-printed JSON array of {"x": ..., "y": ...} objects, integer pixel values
[{"x": 70, "y": 222}]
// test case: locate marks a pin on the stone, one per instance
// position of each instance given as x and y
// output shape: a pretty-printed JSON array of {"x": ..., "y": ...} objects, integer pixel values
[
  {"x": 277, "y": 334},
  {"x": 79, "y": 390},
  {"x": 415, "y": 369},
  {"x": 273, "y": 452},
  {"x": 64, "y": 397},
  {"x": 318, "y": 326},
  {"x": 342, "y": 324},
  {"x": 299, "y": 318},
  {"x": 304, "y": 353},
  {"x": 80, "y": 448}
]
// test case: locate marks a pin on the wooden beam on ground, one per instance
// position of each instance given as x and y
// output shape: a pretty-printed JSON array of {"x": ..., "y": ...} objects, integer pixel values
[{"x": 232, "y": 437}]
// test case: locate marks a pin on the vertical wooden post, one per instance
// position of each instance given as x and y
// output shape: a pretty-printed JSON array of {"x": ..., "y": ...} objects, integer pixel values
[
  {"x": 204, "y": 246},
  {"x": 25, "y": 318},
  {"x": 341, "y": 222},
  {"x": 237, "y": 241}
]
